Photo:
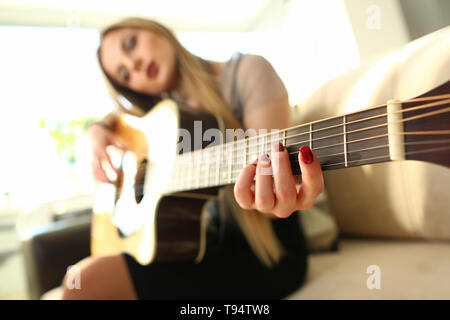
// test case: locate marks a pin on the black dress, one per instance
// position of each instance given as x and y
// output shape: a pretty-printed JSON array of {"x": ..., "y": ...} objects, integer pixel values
[{"x": 230, "y": 269}]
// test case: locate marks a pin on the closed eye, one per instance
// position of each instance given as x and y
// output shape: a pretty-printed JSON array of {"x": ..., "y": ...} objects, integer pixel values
[
  {"x": 123, "y": 74},
  {"x": 129, "y": 43}
]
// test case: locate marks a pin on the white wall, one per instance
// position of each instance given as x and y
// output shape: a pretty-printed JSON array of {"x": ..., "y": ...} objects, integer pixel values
[
  {"x": 378, "y": 26},
  {"x": 423, "y": 17},
  {"x": 308, "y": 42}
]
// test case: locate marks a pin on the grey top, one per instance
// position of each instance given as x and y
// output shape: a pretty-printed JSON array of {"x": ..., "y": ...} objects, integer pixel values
[{"x": 248, "y": 82}]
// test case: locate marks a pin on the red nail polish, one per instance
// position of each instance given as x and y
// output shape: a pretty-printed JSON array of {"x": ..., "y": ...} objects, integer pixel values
[
  {"x": 307, "y": 155},
  {"x": 265, "y": 159},
  {"x": 280, "y": 147},
  {"x": 255, "y": 162}
]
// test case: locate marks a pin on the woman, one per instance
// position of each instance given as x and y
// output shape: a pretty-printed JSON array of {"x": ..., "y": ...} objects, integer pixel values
[{"x": 143, "y": 61}]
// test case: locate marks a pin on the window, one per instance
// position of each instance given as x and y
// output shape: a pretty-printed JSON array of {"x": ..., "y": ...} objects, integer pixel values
[
  {"x": 50, "y": 85},
  {"x": 48, "y": 76}
]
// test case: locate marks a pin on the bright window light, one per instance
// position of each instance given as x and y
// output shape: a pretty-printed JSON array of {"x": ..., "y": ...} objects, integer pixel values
[{"x": 52, "y": 74}]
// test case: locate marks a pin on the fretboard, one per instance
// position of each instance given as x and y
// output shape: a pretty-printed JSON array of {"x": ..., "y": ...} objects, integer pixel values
[{"x": 345, "y": 141}]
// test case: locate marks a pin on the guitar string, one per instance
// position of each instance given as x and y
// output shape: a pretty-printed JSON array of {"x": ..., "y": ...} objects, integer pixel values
[
  {"x": 443, "y": 96},
  {"x": 406, "y": 119},
  {"x": 191, "y": 156},
  {"x": 441, "y": 132},
  {"x": 190, "y": 180},
  {"x": 325, "y": 156},
  {"x": 321, "y": 157},
  {"x": 191, "y": 160},
  {"x": 139, "y": 187},
  {"x": 406, "y": 153}
]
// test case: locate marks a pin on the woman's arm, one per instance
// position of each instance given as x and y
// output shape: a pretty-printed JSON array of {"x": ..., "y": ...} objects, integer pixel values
[
  {"x": 108, "y": 122},
  {"x": 275, "y": 114},
  {"x": 277, "y": 194},
  {"x": 100, "y": 136}
]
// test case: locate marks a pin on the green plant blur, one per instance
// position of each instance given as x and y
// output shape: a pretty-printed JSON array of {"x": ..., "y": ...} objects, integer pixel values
[{"x": 66, "y": 135}]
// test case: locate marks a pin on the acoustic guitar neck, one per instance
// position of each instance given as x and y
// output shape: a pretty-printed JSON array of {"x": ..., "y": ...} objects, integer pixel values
[{"x": 415, "y": 129}]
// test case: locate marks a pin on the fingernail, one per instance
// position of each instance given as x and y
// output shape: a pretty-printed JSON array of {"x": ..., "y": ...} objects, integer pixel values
[
  {"x": 306, "y": 155},
  {"x": 255, "y": 162},
  {"x": 265, "y": 159},
  {"x": 278, "y": 147}
]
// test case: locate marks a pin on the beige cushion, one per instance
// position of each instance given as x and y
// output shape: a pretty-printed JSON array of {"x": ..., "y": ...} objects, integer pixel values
[
  {"x": 53, "y": 294},
  {"x": 408, "y": 270},
  {"x": 396, "y": 199},
  {"x": 319, "y": 225}
]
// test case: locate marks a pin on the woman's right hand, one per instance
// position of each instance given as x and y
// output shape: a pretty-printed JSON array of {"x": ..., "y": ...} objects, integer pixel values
[{"x": 100, "y": 138}]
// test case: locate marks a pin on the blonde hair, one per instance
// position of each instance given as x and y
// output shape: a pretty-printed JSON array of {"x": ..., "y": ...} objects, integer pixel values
[
  {"x": 194, "y": 72},
  {"x": 197, "y": 75}
]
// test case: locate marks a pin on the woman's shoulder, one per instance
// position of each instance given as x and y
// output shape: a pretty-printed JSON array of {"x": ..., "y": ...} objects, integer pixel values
[
  {"x": 254, "y": 58},
  {"x": 257, "y": 75},
  {"x": 250, "y": 61},
  {"x": 256, "y": 67}
]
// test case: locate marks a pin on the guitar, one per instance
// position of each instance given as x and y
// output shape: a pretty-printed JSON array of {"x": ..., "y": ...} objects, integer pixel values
[{"x": 156, "y": 211}]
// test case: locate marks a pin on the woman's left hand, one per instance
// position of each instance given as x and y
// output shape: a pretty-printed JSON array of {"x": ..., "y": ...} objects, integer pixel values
[{"x": 275, "y": 191}]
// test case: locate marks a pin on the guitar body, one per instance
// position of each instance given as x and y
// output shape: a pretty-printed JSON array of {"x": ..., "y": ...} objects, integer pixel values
[
  {"x": 157, "y": 209},
  {"x": 135, "y": 216}
]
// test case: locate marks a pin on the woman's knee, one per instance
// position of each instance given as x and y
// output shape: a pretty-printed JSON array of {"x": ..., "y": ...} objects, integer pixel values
[{"x": 98, "y": 278}]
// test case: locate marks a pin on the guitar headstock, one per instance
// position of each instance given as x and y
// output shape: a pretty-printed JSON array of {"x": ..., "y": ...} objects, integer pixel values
[{"x": 426, "y": 124}]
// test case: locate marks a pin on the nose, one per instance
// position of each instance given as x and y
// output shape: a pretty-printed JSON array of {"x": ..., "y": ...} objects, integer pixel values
[
  {"x": 137, "y": 64},
  {"x": 133, "y": 63}
]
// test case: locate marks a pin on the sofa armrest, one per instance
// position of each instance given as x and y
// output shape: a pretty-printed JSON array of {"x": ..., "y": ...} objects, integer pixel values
[{"x": 48, "y": 251}]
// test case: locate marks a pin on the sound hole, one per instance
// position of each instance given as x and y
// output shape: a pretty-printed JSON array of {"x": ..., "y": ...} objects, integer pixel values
[{"x": 140, "y": 180}]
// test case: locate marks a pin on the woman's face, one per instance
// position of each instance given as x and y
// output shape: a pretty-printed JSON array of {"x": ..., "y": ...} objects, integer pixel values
[{"x": 139, "y": 59}]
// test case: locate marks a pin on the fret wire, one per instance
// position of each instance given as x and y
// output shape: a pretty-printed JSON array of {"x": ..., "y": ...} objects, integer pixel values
[
  {"x": 310, "y": 136},
  {"x": 265, "y": 145},
  {"x": 197, "y": 171},
  {"x": 345, "y": 142},
  {"x": 180, "y": 175},
  {"x": 191, "y": 168},
  {"x": 244, "y": 162},
  {"x": 177, "y": 174},
  {"x": 186, "y": 169},
  {"x": 229, "y": 166},
  {"x": 218, "y": 156},
  {"x": 214, "y": 175},
  {"x": 183, "y": 173},
  {"x": 207, "y": 171},
  {"x": 263, "y": 151}
]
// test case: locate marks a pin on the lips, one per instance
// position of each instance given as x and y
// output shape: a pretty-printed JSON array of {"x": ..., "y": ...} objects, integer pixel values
[{"x": 152, "y": 70}]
